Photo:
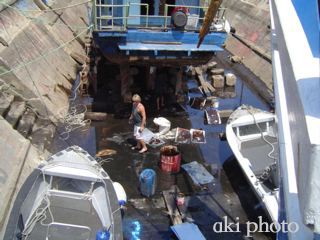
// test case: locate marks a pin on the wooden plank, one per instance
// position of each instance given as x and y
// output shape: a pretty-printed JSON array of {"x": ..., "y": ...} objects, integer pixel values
[
  {"x": 210, "y": 87},
  {"x": 96, "y": 116},
  {"x": 170, "y": 200},
  {"x": 207, "y": 88}
]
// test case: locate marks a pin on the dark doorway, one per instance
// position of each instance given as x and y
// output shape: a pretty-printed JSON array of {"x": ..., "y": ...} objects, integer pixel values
[
  {"x": 151, "y": 7},
  {"x": 162, "y": 6},
  {"x": 170, "y": 9}
]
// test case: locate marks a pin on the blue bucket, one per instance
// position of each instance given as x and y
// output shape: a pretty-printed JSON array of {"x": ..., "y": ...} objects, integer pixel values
[{"x": 147, "y": 182}]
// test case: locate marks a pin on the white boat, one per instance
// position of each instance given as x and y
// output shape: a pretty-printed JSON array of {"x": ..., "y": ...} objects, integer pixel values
[
  {"x": 252, "y": 136},
  {"x": 295, "y": 31},
  {"x": 69, "y": 196}
]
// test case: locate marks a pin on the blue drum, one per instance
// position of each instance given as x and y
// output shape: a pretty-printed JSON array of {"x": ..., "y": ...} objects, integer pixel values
[{"x": 148, "y": 182}]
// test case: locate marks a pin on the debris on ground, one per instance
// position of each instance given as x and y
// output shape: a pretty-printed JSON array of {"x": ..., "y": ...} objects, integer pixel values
[
  {"x": 183, "y": 135},
  {"x": 170, "y": 200},
  {"x": 198, "y": 136},
  {"x": 106, "y": 152},
  {"x": 212, "y": 116}
]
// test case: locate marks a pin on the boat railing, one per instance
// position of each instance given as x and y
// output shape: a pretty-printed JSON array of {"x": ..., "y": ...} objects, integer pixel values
[
  {"x": 80, "y": 170},
  {"x": 121, "y": 17}
]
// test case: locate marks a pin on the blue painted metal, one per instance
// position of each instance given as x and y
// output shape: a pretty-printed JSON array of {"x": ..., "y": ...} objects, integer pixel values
[
  {"x": 138, "y": 40},
  {"x": 126, "y": 39},
  {"x": 213, "y": 38},
  {"x": 164, "y": 47}
]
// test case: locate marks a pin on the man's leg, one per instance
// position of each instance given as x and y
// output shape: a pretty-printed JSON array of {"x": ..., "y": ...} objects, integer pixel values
[
  {"x": 144, "y": 147},
  {"x": 136, "y": 134}
]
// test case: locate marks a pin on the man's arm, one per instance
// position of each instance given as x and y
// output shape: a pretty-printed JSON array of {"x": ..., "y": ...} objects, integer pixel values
[{"x": 143, "y": 115}]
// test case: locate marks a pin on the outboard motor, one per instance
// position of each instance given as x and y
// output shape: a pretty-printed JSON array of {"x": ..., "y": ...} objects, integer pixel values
[{"x": 179, "y": 17}]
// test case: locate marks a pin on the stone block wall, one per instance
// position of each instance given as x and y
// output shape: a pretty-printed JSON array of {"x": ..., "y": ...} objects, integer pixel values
[
  {"x": 251, "y": 20},
  {"x": 37, "y": 73},
  {"x": 33, "y": 46}
]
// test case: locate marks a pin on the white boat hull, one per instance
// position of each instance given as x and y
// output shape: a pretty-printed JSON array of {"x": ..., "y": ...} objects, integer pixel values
[{"x": 254, "y": 155}]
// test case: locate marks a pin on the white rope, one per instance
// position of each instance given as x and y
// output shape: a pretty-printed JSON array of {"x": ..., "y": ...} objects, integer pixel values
[
  {"x": 73, "y": 120},
  {"x": 101, "y": 161},
  {"x": 76, "y": 89},
  {"x": 263, "y": 137},
  {"x": 40, "y": 215}
]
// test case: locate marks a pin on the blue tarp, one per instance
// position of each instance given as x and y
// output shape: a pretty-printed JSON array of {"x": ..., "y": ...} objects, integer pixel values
[
  {"x": 198, "y": 173},
  {"x": 187, "y": 231}
]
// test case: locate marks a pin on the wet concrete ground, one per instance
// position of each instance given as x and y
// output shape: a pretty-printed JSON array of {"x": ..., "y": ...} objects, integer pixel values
[{"x": 146, "y": 218}]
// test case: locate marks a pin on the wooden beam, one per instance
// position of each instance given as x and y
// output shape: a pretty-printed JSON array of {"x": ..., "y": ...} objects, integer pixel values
[
  {"x": 170, "y": 200},
  {"x": 207, "y": 87},
  {"x": 96, "y": 116}
]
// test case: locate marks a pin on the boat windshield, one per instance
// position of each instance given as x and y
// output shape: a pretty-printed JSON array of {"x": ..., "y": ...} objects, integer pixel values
[
  {"x": 71, "y": 185},
  {"x": 253, "y": 129}
]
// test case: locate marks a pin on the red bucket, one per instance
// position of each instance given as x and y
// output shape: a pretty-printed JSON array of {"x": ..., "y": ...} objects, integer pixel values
[{"x": 170, "y": 159}]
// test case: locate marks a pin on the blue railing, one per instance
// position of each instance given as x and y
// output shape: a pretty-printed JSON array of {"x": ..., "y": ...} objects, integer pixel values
[{"x": 120, "y": 17}]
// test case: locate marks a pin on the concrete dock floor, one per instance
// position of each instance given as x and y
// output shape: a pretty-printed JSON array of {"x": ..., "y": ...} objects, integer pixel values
[{"x": 228, "y": 196}]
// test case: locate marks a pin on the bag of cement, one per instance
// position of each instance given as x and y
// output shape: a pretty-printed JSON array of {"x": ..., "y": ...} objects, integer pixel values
[{"x": 164, "y": 125}]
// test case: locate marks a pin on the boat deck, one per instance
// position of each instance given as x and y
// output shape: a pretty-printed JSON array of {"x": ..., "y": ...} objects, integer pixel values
[
  {"x": 257, "y": 151},
  {"x": 66, "y": 214}
]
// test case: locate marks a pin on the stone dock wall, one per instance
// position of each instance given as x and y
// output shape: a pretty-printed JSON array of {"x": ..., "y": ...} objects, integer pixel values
[
  {"x": 40, "y": 54},
  {"x": 252, "y": 41}
]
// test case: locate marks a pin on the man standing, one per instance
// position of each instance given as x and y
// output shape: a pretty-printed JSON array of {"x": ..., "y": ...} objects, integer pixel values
[{"x": 138, "y": 117}]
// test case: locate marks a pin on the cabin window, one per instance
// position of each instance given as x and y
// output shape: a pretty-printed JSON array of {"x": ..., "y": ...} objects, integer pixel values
[{"x": 252, "y": 129}]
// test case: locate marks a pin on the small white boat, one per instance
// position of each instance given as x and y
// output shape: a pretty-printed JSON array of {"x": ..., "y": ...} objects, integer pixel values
[
  {"x": 252, "y": 136},
  {"x": 69, "y": 196}
]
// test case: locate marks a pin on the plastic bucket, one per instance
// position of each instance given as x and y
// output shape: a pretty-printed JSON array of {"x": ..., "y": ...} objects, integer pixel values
[
  {"x": 147, "y": 182},
  {"x": 170, "y": 159}
]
